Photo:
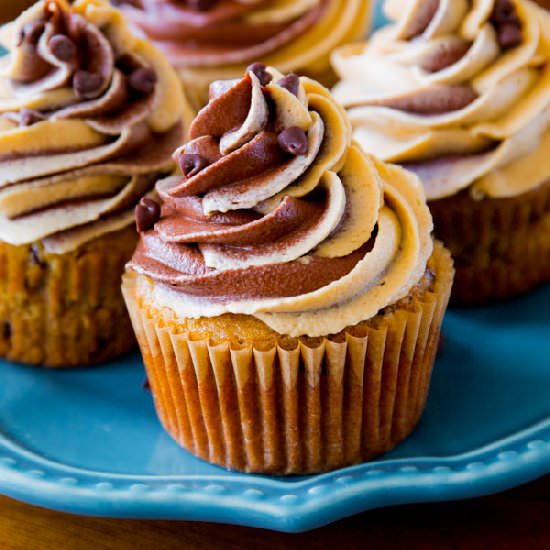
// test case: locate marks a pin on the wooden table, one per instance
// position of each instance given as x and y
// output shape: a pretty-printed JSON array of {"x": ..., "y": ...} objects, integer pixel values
[{"x": 516, "y": 520}]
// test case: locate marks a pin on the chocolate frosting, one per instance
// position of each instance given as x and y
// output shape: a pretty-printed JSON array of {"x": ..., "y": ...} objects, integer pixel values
[
  {"x": 274, "y": 206},
  {"x": 219, "y": 40},
  {"x": 77, "y": 73},
  {"x": 226, "y": 32},
  {"x": 458, "y": 92}
]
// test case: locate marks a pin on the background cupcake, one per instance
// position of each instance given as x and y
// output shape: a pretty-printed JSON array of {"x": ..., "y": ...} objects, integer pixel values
[
  {"x": 289, "y": 299},
  {"x": 89, "y": 116},
  {"x": 208, "y": 40},
  {"x": 459, "y": 93}
]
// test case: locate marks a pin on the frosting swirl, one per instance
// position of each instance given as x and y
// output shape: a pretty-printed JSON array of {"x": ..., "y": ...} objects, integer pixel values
[
  {"x": 89, "y": 117},
  {"x": 278, "y": 215},
  {"x": 214, "y": 40},
  {"x": 456, "y": 91}
]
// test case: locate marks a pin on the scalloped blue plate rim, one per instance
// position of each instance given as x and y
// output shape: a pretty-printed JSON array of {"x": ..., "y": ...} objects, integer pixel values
[{"x": 255, "y": 501}]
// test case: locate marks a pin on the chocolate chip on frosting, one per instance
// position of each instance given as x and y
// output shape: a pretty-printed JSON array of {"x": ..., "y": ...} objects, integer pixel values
[
  {"x": 507, "y": 24},
  {"x": 143, "y": 80},
  {"x": 86, "y": 84},
  {"x": 147, "y": 214},
  {"x": 504, "y": 11},
  {"x": 509, "y": 35},
  {"x": 201, "y": 5},
  {"x": 62, "y": 47},
  {"x": 191, "y": 164},
  {"x": 290, "y": 82},
  {"x": 259, "y": 69},
  {"x": 127, "y": 64},
  {"x": 293, "y": 140}
]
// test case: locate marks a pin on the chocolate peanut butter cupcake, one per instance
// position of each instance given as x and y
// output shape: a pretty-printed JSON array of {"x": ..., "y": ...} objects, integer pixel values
[
  {"x": 207, "y": 40},
  {"x": 459, "y": 93},
  {"x": 89, "y": 117},
  {"x": 288, "y": 297}
]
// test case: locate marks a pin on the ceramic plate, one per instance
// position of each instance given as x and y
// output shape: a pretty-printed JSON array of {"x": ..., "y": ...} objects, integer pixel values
[{"x": 87, "y": 441}]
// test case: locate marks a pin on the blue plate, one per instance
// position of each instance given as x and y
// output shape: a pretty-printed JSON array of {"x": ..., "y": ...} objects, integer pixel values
[{"x": 88, "y": 441}]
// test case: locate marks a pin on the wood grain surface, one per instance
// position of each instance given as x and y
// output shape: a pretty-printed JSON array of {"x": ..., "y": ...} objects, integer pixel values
[{"x": 515, "y": 520}]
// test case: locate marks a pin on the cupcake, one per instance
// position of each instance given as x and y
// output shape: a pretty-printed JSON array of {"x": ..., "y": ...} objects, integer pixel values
[
  {"x": 288, "y": 299},
  {"x": 208, "y": 40},
  {"x": 459, "y": 93},
  {"x": 89, "y": 118}
]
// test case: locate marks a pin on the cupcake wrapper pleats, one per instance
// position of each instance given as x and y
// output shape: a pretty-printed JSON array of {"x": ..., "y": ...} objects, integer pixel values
[
  {"x": 66, "y": 309},
  {"x": 501, "y": 247},
  {"x": 311, "y": 407}
]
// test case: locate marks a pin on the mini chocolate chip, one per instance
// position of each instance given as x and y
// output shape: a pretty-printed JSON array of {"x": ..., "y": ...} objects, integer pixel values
[
  {"x": 147, "y": 214},
  {"x": 201, "y": 5},
  {"x": 28, "y": 117},
  {"x": 143, "y": 80},
  {"x": 127, "y": 64},
  {"x": 259, "y": 69},
  {"x": 146, "y": 385},
  {"x": 504, "y": 11},
  {"x": 192, "y": 164},
  {"x": 86, "y": 84},
  {"x": 62, "y": 47},
  {"x": 509, "y": 35},
  {"x": 290, "y": 82},
  {"x": 6, "y": 330},
  {"x": 293, "y": 140},
  {"x": 31, "y": 32}
]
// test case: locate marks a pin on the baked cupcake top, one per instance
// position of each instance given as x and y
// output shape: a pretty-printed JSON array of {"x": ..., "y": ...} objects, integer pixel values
[
  {"x": 89, "y": 118},
  {"x": 225, "y": 33},
  {"x": 279, "y": 215},
  {"x": 456, "y": 91}
]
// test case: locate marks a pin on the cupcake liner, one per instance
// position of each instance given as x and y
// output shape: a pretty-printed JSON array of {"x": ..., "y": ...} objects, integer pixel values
[
  {"x": 301, "y": 405},
  {"x": 501, "y": 247},
  {"x": 63, "y": 310}
]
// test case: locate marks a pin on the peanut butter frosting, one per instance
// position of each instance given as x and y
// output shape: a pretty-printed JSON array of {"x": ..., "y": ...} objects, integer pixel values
[
  {"x": 456, "y": 91},
  {"x": 279, "y": 215},
  {"x": 89, "y": 117},
  {"x": 216, "y": 39}
]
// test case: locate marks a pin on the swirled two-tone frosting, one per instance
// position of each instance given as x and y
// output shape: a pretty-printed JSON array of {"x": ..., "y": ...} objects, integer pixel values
[
  {"x": 458, "y": 92},
  {"x": 278, "y": 215},
  {"x": 213, "y": 39},
  {"x": 89, "y": 118}
]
